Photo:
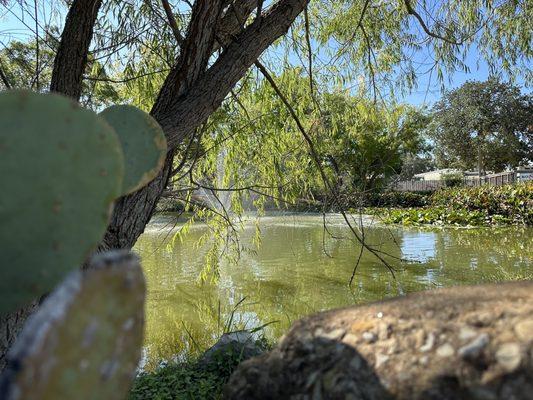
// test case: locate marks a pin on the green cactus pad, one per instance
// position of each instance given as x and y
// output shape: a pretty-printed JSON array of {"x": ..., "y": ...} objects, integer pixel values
[
  {"x": 85, "y": 340},
  {"x": 143, "y": 142},
  {"x": 62, "y": 167}
]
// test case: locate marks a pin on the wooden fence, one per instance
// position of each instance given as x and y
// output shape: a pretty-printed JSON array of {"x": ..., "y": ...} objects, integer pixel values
[{"x": 502, "y": 178}]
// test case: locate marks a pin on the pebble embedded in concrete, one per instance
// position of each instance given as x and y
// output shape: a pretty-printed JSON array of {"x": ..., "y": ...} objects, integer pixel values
[
  {"x": 508, "y": 356},
  {"x": 475, "y": 347},
  {"x": 446, "y": 350}
]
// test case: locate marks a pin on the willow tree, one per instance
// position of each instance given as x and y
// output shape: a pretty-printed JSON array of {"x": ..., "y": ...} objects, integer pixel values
[{"x": 204, "y": 49}]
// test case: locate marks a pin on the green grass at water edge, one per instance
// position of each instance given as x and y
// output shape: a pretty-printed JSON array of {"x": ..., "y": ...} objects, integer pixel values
[{"x": 190, "y": 379}]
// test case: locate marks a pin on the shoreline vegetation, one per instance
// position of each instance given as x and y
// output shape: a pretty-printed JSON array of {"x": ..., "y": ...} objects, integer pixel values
[
  {"x": 465, "y": 206},
  {"x": 484, "y": 206},
  {"x": 201, "y": 375}
]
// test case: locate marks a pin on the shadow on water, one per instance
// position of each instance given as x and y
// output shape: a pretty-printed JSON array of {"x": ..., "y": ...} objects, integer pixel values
[{"x": 291, "y": 275}]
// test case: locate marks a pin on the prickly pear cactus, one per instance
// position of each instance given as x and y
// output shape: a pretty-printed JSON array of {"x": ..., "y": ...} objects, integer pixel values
[
  {"x": 143, "y": 143},
  {"x": 85, "y": 341},
  {"x": 62, "y": 167}
]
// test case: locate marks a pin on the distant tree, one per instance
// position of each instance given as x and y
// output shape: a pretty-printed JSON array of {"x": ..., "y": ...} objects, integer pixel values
[
  {"x": 22, "y": 69},
  {"x": 483, "y": 125},
  {"x": 369, "y": 142},
  {"x": 413, "y": 164}
]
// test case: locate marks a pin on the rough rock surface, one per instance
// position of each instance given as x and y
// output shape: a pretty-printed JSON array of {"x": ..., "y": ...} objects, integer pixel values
[
  {"x": 241, "y": 343},
  {"x": 456, "y": 343}
]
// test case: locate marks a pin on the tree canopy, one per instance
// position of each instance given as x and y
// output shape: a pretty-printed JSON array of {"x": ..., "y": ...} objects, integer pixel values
[
  {"x": 183, "y": 61},
  {"x": 484, "y": 126}
]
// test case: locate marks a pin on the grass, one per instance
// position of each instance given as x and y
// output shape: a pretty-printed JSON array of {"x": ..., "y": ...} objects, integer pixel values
[{"x": 191, "y": 379}]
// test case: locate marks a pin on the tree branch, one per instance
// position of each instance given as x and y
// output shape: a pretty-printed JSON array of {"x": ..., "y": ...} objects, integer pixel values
[
  {"x": 172, "y": 22},
  {"x": 412, "y": 11},
  {"x": 194, "y": 56},
  {"x": 327, "y": 184},
  {"x": 232, "y": 22},
  {"x": 206, "y": 95}
]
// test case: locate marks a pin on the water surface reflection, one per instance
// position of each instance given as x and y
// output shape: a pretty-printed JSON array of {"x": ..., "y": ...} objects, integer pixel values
[{"x": 294, "y": 273}]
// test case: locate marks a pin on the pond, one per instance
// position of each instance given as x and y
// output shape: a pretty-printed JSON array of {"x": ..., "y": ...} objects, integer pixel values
[{"x": 298, "y": 270}]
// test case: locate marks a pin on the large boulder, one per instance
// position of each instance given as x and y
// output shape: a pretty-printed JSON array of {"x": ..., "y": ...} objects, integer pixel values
[{"x": 456, "y": 343}]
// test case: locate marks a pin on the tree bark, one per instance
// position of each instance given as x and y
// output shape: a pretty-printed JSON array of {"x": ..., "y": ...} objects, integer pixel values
[
  {"x": 181, "y": 110},
  {"x": 71, "y": 57}
]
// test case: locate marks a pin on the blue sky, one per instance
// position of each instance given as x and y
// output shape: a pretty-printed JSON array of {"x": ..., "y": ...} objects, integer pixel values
[{"x": 429, "y": 88}]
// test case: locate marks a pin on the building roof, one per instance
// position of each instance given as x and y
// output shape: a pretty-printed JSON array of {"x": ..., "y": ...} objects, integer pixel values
[{"x": 437, "y": 171}]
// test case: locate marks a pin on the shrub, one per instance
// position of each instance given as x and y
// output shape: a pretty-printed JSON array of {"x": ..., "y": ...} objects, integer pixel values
[
  {"x": 192, "y": 379},
  {"x": 453, "y": 179},
  {"x": 396, "y": 199},
  {"x": 514, "y": 202}
]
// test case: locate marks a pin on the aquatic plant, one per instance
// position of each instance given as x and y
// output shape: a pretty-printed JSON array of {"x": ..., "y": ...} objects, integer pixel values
[
  {"x": 514, "y": 201},
  {"x": 473, "y": 206}
]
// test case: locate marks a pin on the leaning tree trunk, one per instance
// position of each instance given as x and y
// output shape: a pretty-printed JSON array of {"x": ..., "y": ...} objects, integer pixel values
[
  {"x": 190, "y": 96},
  {"x": 191, "y": 93}
]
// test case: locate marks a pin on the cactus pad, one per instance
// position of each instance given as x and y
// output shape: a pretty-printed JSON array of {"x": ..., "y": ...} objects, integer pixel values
[
  {"x": 143, "y": 142},
  {"x": 62, "y": 167},
  {"x": 85, "y": 341}
]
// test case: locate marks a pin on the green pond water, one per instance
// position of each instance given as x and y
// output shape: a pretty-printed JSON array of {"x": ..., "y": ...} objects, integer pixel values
[{"x": 298, "y": 270}]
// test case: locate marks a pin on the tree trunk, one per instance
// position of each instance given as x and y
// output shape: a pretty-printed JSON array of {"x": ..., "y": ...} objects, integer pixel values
[
  {"x": 479, "y": 161},
  {"x": 181, "y": 111},
  {"x": 71, "y": 57}
]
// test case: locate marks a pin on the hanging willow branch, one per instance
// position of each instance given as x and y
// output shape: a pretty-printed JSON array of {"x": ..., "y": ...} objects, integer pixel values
[{"x": 329, "y": 187}]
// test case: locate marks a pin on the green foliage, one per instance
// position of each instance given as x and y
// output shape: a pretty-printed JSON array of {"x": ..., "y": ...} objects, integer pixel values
[
  {"x": 178, "y": 381},
  {"x": 259, "y": 144},
  {"x": 514, "y": 202},
  {"x": 192, "y": 379},
  {"x": 182, "y": 381},
  {"x": 254, "y": 148},
  {"x": 453, "y": 179},
  {"x": 366, "y": 142},
  {"x": 483, "y": 125},
  {"x": 143, "y": 144},
  {"x": 62, "y": 169},
  {"x": 396, "y": 199},
  {"x": 19, "y": 63},
  {"x": 378, "y": 43},
  {"x": 474, "y": 206},
  {"x": 441, "y": 216},
  {"x": 84, "y": 342},
  {"x": 506, "y": 275}
]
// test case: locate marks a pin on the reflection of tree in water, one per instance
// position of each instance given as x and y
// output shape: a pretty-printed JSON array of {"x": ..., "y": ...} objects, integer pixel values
[
  {"x": 291, "y": 275},
  {"x": 471, "y": 255}
]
